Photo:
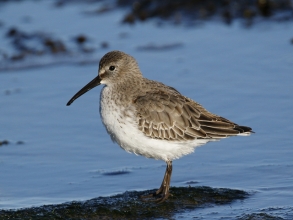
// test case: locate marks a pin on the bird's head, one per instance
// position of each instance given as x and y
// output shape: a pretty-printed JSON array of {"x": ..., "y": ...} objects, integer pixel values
[{"x": 114, "y": 67}]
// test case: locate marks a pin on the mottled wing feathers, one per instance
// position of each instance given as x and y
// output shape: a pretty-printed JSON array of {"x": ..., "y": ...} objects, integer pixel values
[{"x": 171, "y": 116}]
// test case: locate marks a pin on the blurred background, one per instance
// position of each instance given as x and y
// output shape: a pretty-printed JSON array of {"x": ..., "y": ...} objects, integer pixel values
[{"x": 233, "y": 57}]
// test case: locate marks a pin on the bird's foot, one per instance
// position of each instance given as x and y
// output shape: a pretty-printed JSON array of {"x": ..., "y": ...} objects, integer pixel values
[
  {"x": 163, "y": 192},
  {"x": 156, "y": 197}
]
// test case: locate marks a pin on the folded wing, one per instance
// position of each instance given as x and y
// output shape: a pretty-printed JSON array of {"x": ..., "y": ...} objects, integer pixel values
[{"x": 162, "y": 115}]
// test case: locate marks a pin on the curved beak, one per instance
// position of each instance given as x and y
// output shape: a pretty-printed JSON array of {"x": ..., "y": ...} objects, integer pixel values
[{"x": 95, "y": 82}]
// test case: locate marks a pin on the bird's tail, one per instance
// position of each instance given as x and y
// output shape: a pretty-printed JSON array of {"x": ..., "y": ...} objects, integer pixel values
[{"x": 244, "y": 130}]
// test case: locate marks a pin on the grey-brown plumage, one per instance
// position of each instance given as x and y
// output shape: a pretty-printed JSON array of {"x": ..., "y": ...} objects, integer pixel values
[
  {"x": 164, "y": 113},
  {"x": 151, "y": 119}
]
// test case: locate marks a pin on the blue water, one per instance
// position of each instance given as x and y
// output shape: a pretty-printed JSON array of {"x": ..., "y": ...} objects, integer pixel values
[{"x": 242, "y": 74}]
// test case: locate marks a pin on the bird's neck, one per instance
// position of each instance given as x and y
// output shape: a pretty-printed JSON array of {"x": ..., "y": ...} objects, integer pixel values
[{"x": 125, "y": 89}]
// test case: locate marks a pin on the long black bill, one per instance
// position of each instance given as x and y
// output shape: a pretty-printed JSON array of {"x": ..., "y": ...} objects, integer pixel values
[{"x": 95, "y": 82}]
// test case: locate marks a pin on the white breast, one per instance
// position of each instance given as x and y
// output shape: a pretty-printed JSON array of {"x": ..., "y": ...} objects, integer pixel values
[{"x": 121, "y": 123}]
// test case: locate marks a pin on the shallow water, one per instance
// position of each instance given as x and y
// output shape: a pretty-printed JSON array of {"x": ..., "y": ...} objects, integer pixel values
[{"x": 242, "y": 74}]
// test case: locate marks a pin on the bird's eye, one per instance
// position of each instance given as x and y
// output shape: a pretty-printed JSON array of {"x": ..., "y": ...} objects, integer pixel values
[{"x": 111, "y": 68}]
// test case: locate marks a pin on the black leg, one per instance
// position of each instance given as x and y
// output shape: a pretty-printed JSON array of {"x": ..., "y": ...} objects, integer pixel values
[{"x": 164, "y": 189}]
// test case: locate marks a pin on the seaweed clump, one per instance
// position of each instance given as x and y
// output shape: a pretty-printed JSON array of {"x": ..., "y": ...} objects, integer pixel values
[
  {"x": 180, "y": 11},
  {"x": 129, "y": 205}
]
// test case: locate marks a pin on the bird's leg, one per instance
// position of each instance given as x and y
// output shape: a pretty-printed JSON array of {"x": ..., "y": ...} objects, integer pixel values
[
  {"x": 167, "y": 178},
  {"x": 164, "y": 189},
  {"x": 165, "y": 186}
]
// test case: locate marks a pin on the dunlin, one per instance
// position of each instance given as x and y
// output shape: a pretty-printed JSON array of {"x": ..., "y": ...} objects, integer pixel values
[{"x": 151, "y": 119}]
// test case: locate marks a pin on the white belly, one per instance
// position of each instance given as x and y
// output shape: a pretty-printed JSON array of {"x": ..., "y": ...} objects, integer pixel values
[{"x": 121, "y": 123}]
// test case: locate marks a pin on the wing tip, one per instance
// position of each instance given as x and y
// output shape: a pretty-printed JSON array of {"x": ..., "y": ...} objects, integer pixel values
[{"x": 244, "y": 130}]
